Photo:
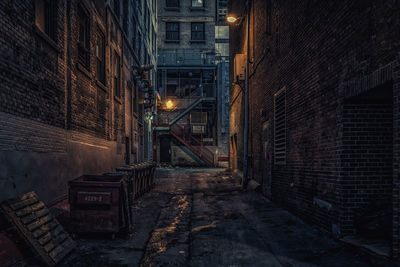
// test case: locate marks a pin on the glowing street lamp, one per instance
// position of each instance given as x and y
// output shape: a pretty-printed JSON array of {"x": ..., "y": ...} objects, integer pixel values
[
  {"x": 231, "y": 19},
  {"x": 169, "y": 104}
]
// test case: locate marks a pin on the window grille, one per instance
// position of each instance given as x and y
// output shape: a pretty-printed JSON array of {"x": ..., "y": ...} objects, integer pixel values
[
  {"x": 172, "y": 31},
  {"x": 280, "y": 127}
]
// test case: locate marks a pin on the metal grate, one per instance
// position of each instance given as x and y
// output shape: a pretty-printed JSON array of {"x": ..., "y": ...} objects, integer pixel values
[{"x": 280, "y": 127}]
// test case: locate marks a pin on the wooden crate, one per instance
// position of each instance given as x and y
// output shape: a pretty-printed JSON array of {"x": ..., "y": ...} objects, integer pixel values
[{"x": 38, "y": 227}]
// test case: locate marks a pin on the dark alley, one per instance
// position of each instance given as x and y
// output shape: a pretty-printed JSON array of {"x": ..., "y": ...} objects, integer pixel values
[{"x": 201, "y": 217}]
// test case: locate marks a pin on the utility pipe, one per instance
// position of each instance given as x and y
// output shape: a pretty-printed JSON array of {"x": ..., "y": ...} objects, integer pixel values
[{"x": 246, "y": 103}]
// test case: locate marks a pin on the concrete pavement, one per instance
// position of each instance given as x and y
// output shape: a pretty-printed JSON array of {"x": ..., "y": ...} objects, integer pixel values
[{"x": 201, "y": 217}]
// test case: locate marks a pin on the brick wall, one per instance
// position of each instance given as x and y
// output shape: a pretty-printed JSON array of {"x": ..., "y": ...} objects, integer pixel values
[
  {"x": 59, "y": 121},
  {"x": 323, "y": 53},
  {"x": 32, "y": 65},
  {"x": 367, "y": 158}
]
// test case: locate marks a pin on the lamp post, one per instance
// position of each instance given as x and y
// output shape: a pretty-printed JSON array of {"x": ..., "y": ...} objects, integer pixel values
[{"x": 232, "y": 19}]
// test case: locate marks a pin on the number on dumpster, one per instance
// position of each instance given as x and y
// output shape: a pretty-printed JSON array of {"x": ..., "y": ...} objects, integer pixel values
[{"x": 93, "y": 198}]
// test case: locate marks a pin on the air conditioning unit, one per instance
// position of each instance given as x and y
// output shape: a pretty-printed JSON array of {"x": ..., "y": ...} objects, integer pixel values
[{"x": 240, "y": 67}]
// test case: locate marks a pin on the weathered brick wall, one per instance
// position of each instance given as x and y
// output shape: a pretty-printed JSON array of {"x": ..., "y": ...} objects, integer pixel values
[
  {"x": 316, "y": 50},
  {"x": 59, "y": 121},
  {"x": 367, "y": 158},
  {"x": 32, "y": 66}
]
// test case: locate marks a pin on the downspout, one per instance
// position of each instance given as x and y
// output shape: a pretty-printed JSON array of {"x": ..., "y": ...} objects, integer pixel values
[{"x": 246, "y": 105}]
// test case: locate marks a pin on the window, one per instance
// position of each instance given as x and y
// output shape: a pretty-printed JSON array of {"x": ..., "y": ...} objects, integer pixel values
[
  {"x": 198, "y": 31},
  {"x": 268, "y": 16},
  {"x": 171, "y": 3},
  {"x": 172, "y": 31},
  {"x": 100, "y": 57},
  {"x": 117, "y": 75},
  {"x": 197, "y": 3},
  {"x": 280, "y": 127},
  {"x": 83, "y": 37},
  {"x": 45, "y": 17}
]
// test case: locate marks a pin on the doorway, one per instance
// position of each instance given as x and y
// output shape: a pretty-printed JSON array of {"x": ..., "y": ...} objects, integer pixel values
[
  {"x": 367, "y": 167},
  {"x": 165, "y": 149}
]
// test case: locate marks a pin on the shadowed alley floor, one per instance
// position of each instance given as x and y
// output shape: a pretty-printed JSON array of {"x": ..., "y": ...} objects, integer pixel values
[{"x": 200, "y": 217}]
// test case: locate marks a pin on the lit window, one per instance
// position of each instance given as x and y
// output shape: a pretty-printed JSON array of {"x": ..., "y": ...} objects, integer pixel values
[{"x": 197, "y": 3}]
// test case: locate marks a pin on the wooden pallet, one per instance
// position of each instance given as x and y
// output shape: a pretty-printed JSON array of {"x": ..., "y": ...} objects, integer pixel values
[{"x": 38, "y": 227}]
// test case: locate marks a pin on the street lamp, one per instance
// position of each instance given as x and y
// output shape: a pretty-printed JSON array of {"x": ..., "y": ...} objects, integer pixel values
[
  {"x": 169, "y": 105},
  {"x": 232, "y": 19}
]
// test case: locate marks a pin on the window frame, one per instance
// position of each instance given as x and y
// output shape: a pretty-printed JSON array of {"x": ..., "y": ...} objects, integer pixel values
[
  {"x": 172, "y": 6},
  {"x": 178, "y": 31},
  {"x": 202, "y": 6},
  {"x": 203, "y": 31},
  {"x": 83, "y": 46},
  {"x": 117, "y": 75},
  {"x": 100, "y": 61},
  {"x": 50, "y": 15}
]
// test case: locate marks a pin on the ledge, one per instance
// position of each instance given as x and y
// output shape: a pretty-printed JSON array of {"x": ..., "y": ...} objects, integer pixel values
[
  {"x": 83, "y": 69},
  {"x": 172, "y": 41},
  {"x": 172, "y": 9},
  {"x": 102, "y": 86},
  {"x": 197, "y": 8},
  {"x": 197, "y": 41},
  {"x": 47, "y": 39}
]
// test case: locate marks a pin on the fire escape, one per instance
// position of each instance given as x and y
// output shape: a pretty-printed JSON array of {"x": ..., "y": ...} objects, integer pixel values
[{"x": 185, "y": 137}]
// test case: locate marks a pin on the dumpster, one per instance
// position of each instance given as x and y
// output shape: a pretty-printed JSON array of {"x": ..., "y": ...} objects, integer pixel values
[
  {"x": 133, "y": 186},
  {"x": 98, "y": 203}
]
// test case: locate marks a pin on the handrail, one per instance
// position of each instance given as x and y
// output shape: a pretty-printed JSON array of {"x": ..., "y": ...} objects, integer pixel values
[
  {"x": 189, "y": 108},
  {"x": 202, "y": 151}
]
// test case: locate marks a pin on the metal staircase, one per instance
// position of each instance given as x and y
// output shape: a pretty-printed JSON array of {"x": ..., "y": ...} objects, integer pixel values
[
  {"x": 185, "y": 137},
  {"x": 190, "y": 107},
  {"x": 191, "y": 142}
]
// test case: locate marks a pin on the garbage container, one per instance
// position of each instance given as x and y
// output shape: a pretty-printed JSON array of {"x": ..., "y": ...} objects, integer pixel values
[
  {"x": 131, "y": 181},
  {"x": 98, "y": 204}
]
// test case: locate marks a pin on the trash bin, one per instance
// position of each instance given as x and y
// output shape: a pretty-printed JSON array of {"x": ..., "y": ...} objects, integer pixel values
[
  {"x": 98, "y": 203},
  {"x": 129, "y": 170}
]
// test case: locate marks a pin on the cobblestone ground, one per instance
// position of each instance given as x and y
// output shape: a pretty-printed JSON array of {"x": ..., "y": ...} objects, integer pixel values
[{"x": 200, "y": 217}]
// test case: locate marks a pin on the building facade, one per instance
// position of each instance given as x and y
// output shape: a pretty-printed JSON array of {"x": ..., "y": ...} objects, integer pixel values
[
  {"x": 73, "y": 97},
  {"x": 188, "y": 84},
  {"x": 323, "y": 124}
]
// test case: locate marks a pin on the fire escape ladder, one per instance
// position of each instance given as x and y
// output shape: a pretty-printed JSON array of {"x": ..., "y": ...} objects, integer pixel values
[{"x": 192, "y": 143}]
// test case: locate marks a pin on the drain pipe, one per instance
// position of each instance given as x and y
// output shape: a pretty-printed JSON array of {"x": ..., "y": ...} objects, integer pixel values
[{"x": 246, "y": 105}]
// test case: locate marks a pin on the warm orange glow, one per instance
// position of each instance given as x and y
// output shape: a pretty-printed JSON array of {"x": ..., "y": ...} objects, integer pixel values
[
  {"x": 169, "y": 104},
  {"x": 231, "y": 19}
]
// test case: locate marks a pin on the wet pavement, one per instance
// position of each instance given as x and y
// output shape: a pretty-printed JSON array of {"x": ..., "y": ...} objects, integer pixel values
[{"x": 201, "y": 217}]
